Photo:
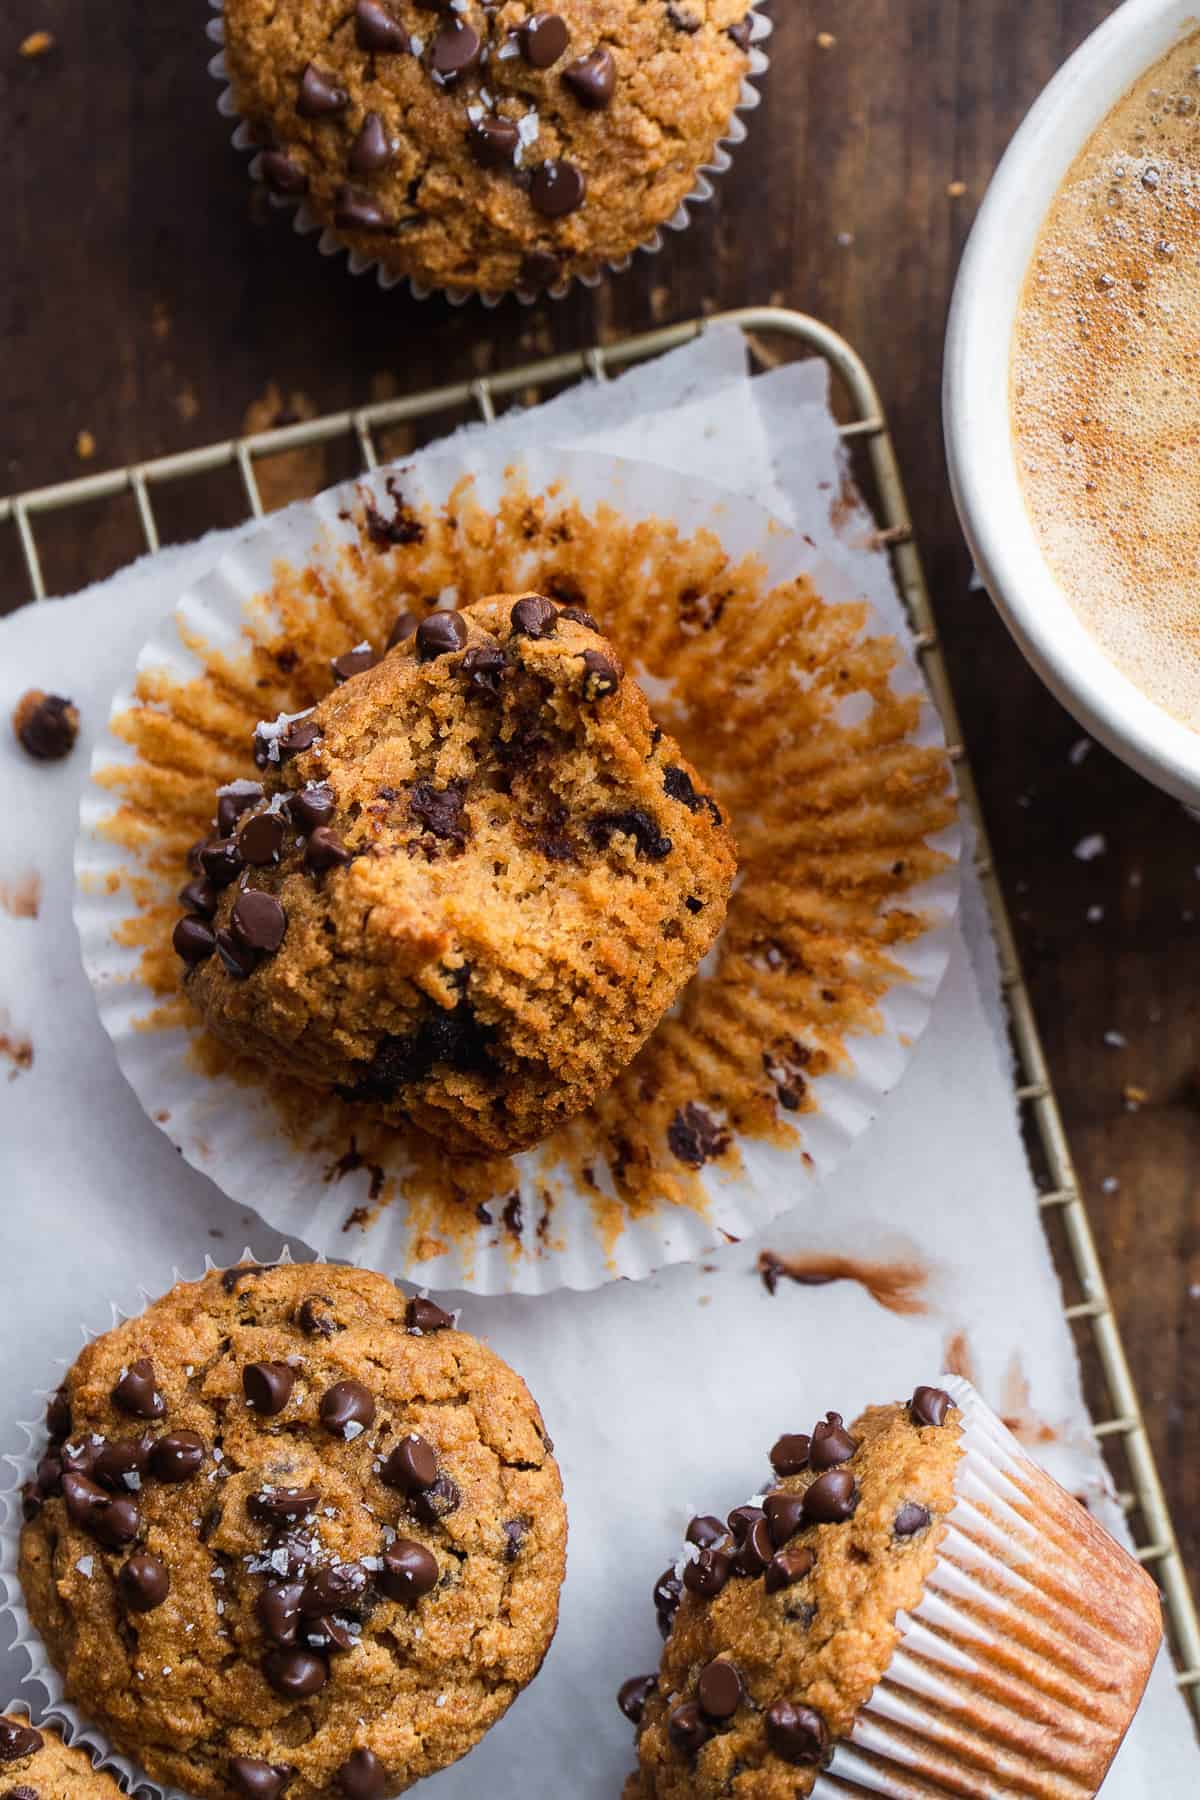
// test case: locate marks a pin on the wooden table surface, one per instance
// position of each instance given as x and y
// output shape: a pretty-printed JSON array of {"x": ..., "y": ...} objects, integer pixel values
[{"x": 146, "y": 298}]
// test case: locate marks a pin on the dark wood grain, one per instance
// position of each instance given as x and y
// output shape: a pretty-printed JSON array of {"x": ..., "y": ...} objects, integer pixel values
[{"x": 146, "y": 297}]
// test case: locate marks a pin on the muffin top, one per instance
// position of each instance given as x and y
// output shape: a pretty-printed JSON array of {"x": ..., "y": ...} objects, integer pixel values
[
  {"x": 781, "y": 1620},
  {"x": 482, "y": 147},
  {"x": 293, "y": 1533},
  {"x": 35, "y": 1764},
  {"x": 469, "y": 884}
]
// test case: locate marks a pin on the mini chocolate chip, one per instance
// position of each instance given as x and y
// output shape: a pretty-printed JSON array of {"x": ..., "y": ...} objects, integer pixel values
[
  {"x": 136, "y": 1392},
  {"x": 694, "y": 1136},
  {"x": 485, "y": 666},
  {"x": 236, "y": 959},
  {"x": 543, "y": 39},
  {"x": 515, "y": 1532},
  {"x": 300, "y": 735},
  {"x": 144, "y": 1582},
  {"x": 254, "y": 1779},
  {"x": 313, "y": 1316},
  {"x": 24, "y": 1792},
  {"x": 534, "y": 616},
  {"x": 177, "y": 1456},
  {"x": 740, "y": 32},
  {"x": 335, "y": 1588},
  {"x": 275, "y": 1503},
  {"x": 705, "y": 1531},
  {"x": 18, "y": 1740},
  {"x": 113, "y": 1520},
  {"x": 376, "y": 27},
  {"x": 633, "y": 1694},
  {"x": 741, "y": 1519},
  {"x": 311, "y": 807},
  {"x": 46, "y": 725},
  {"x": 409, "y": 1571},
  {"x": 268, "y": 1386},
  {"x": 831, "y": 1499},
  {"x": 831, "y": 1444},
  {"x": 362, "y": 1776},
  {"x": 785, "y": 1515},
  {"x": 557, "y": 187},
  {"x": 295, "y": 1674},
  {"x": 31, "y": 1502},
  {"x": 591, "y": 79},
  {"x": 411, "y": 1466},
  {"x": 708, "y": 1572},
  {"x": 910, "y": 1519},
  {"x": 634, "y": 823},
  {"x": 796, "y": 1733},
  {"x": 325, "y": 850},
  {"x": 539, "y": 269},
  {"x": 432, "y": 1504},
  {"x": 345, "y": 1405},
  {"x": 787, "y": 1566},
  {"x": 667, "y": 1592},
  {"x": 687, "y": 1728},
  {"x": 49, "y": 1476},
  {"x": 222, "y": 861},
  {"x": 193, "y": 940},
  {"x": 261, "y": 839},
  {"x": 403, "y": 626},
  {"x": 353, "y": 662},
  {"x": 319, "y": 94},
  {"x": 929, "y": 1406},
  {"x": 580, "y": 616},
  {"x": 755, "y": 1551},
  {"x": 281, "y": 174},
  {"x": 58, "y": 1415},
  {"x": 356, "y": 211},
  {"x": 601, "y": 676},
  {"x": 493, "y": 142},
  {"x": 423, "y": 1315},
  {"x": 230, "y": 807},
  {"x": 439, "y": 634},
  {"x": 789, "y": 1454},
  {"x": 371, "y": 151},
  {"x": 719, "y": 1689},
  {"x": 682, "y": 20},
  {"x": 455, "y": 49},
  {"x": 440, "y": 810},
  {"x": 199, "y": 896},
  {"x": 258, "y": 921}
]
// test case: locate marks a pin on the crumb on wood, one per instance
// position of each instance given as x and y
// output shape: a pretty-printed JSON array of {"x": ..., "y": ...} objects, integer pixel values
[
  {"x": 85, "y": 446},
  {"x": 955, "y": 189},
  {"x": 826, "y": 40},
  {"x": 37, "y": 43}
]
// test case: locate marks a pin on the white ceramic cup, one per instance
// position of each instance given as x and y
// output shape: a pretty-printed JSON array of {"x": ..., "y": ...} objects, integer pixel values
[{"x": 979, "y": 440}]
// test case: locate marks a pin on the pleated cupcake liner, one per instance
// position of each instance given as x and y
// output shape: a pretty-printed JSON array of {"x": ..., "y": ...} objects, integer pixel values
[
  {"x": 67, "y": 1717},
  {"x": 1021, "y": 1668},
  {"x": 306, "y": 223},
  {"x": 230, "y": 1130}
]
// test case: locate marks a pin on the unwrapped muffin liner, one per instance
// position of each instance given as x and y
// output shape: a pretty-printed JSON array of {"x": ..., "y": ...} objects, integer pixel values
[
  {"x": 329, "y": 243},
  {"x": 69, "y": 1720},
  {"x": 230, "y": 1131},
  {"x": 1019, "y": 1671}
]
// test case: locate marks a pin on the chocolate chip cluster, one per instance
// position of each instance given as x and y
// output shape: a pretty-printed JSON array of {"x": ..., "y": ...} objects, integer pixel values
[{"x": 758, "y": 1540}]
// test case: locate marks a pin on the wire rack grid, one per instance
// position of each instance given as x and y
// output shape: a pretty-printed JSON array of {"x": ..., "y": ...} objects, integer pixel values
[{"x": 1118, "y": 1423}]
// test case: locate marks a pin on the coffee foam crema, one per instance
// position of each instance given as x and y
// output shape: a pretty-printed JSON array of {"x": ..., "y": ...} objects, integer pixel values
[{"x": 1105, "y": 384}]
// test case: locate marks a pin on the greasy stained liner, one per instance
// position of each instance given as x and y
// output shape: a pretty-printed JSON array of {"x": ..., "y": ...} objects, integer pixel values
[
  {"x": 816, "y": 735},
  {"x": 1024, "y": 1663},
  {"x": 73, "y": 1725},
  {"x": 305, "y": 221}
]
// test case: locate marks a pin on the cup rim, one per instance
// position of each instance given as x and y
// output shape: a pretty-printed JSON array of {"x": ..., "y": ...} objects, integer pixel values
[{"x": 976, "y": 416}]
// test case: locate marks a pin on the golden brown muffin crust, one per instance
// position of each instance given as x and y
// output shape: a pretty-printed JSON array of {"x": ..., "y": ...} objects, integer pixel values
[
  {"x": 35, "y": 1764},
  {"x": 274, "y": 1514},
  {"x": 525, "y": 873},
  {"x": 803, "y": 1610},
  {"x": 445, "y": 178}
]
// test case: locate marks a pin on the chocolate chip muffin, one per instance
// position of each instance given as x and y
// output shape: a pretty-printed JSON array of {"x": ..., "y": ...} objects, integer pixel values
[
  {"x": 469, "y": 883},
  {"x": 37, "y": 1765},
  {"x": 293, "y": 1533},
  {"x": 911, "y": 1606},
  {"x": 480, "y": 147}
]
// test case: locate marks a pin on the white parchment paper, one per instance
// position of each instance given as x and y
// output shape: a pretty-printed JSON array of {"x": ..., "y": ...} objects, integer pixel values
[{"x": 662, "y": 1395}]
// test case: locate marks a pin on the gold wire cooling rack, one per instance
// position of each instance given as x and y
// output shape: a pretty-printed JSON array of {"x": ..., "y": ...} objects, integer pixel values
[{"x": 1119, "y": 1427}]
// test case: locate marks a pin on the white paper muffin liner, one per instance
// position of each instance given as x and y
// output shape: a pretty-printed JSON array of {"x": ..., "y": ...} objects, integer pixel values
[
  {"x": 68, "y": 1719},
  {"x": 231, "y": 1133},
  {"x": 305, "y": 221},
  {"x": 1023, "y": 1665}
]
